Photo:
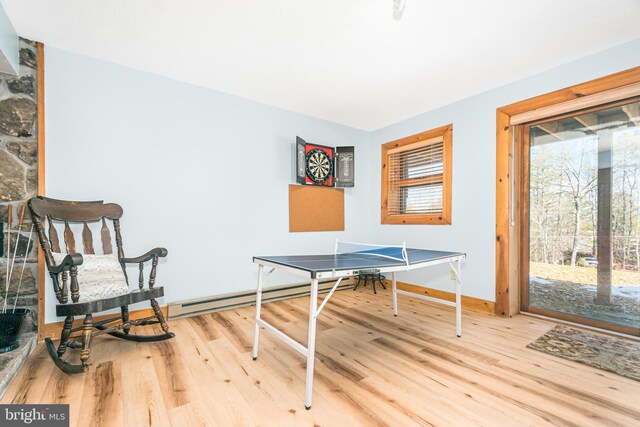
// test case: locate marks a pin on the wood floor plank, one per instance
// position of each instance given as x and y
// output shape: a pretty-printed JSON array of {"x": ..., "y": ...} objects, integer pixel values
[
  {"x": 31, "y": 382},
  {"x": 221, "y": 387},
  {"x": 388, "y": 375},
  {"x": 371, "y": 369},
  {"x": 63, "y": 388},
  {"x": 205, "y": 328},
  {"x": 177, "y": 385},
  {"x": 143, "y": 404},
  {"x": 441, "y": 393},
  {"x": 193, "y": 414},
  {"x": 227, "y": 323},
  {"x": 102, "y": 405}
]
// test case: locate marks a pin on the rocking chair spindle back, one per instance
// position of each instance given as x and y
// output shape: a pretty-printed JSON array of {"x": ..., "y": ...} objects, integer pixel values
[{"x": 92, "y": 291}]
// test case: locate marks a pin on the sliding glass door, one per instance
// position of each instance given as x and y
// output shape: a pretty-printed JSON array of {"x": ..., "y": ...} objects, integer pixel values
[{"x": 581, "y": 217}]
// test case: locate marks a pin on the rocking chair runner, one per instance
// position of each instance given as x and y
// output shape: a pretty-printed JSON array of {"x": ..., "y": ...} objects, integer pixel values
[{"x": 96, "y": 282}]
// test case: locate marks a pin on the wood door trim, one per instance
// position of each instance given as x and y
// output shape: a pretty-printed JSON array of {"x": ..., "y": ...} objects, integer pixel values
[
  {"x": 504, "y": 154},
  {"x": 597, "y": 99},
  {"x": 524, "y": 215},
  {"x": 600, "y": 324},
  {"x": 612, "y": 81},
  {"x": 41, "y": 191}
]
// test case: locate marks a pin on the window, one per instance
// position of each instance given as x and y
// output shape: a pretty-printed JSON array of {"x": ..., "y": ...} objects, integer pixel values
[
  {"x": 416, "y": 178},
  {"x": 579, "y": 212}
]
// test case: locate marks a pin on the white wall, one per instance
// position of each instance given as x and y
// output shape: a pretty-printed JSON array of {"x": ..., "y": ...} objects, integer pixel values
[
  {"x": 9, "y": 45},
  {"x": 201, "y": 173},
  {"x": 474, "y": 171},
  {"x": 206, "y": 174}
]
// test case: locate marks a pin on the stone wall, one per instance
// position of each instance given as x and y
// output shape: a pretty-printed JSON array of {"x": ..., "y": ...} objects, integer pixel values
[{"x": 19, "y": 176}]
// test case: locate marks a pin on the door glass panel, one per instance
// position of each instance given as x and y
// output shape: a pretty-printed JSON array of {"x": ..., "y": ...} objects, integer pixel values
[{"x": 584, "y": 216}]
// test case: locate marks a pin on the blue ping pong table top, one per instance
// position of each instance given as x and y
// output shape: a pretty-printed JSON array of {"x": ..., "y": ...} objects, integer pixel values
[{"x": 353, "y": 261}]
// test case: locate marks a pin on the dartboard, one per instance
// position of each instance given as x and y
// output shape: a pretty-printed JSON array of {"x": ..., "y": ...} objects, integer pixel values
[{"x": 319, "y": 165}]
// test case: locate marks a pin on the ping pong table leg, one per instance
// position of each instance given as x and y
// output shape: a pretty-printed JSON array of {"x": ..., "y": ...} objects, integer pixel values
[
  {"x": 458, "y": 298},
  {"x": 256, "y": 333},
  {"x": 394, "y": 295},
  {"x": 311, "y": 343}
]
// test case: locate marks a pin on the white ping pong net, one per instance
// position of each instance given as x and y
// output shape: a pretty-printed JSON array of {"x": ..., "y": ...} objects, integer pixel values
[{"x": 398, "y": 253}]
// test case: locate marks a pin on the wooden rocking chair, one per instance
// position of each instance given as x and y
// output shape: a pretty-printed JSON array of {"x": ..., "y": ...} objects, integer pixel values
[{"x": 96, "y": 282}]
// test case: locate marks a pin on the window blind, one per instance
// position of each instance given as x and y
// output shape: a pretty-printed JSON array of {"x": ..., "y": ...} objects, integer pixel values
[{"x": 416, "y": 180}]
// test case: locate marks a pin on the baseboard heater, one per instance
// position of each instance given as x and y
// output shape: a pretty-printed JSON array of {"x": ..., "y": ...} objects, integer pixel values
[{"x": 222, "y": 302}]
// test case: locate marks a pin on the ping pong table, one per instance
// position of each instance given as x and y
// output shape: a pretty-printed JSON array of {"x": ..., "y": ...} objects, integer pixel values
[{"x": 349, "y": 259}]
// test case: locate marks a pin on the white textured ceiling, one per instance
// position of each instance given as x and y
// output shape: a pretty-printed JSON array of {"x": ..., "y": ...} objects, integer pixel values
[{"x": 347, "y": 61}]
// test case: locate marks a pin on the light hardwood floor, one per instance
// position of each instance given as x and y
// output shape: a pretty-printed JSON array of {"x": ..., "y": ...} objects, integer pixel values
[{"x": 371, "y": 369}]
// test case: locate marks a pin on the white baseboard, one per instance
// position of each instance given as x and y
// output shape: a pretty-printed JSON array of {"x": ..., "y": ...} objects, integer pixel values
[{"x": 215, "y": 303}]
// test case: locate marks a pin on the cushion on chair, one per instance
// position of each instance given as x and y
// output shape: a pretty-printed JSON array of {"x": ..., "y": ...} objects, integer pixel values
[{"x": 99, "y": 277}]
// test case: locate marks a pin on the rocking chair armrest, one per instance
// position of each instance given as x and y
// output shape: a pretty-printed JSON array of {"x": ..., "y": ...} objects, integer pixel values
[
  {"x": 159, "y": 252},
  {"x": 72, "y": 260}
]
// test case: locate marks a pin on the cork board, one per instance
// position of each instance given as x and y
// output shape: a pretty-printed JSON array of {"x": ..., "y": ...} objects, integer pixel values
[{"x": 315, "y": 208}]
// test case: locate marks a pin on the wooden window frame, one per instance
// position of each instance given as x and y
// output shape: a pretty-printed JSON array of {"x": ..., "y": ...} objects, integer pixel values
[
  {"x": 625, "y": 84},
  {"x": 444, "y": 134}
]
